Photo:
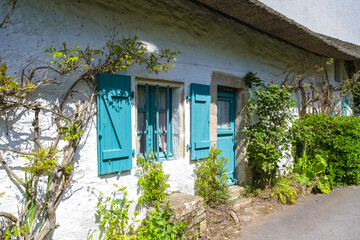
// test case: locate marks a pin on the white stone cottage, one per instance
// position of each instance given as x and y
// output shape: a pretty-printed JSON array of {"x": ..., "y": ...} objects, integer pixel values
[{"x": 202, "y": 98}]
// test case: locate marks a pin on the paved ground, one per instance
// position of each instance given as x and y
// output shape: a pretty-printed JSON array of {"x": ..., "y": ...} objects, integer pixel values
[{"x": 330, "y": 217}]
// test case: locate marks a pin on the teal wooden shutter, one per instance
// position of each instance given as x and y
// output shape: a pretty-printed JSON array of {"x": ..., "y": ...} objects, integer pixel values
[
  {"x": 200, "y": 121},
  {"x": 114, "y": 123}
]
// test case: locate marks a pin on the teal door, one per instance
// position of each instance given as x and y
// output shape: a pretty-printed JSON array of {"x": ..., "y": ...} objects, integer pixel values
[{"x": 226, "y": 139}]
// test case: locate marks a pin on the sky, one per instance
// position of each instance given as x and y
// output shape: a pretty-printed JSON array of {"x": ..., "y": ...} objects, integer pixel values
[{"x": 335, "y": 18}]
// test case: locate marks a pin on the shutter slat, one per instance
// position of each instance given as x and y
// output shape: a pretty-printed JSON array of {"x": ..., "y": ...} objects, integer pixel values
[
  {"x": 114, "y": 154},
  {"x": 202, "y": 145}
]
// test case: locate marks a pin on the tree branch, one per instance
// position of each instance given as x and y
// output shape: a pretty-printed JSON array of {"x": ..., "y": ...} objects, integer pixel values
[
  {"x": 11, "y": 172},
  {"x": 9, "y": 216}
]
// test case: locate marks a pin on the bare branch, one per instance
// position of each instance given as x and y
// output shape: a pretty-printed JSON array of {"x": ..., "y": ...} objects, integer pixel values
[
  {"x": 9, "y": 216},
  {"x": 7, "y": 15},
  {"x": 14, "y": 150},
  {"x": 11, "y": 172},
  {"x": 37, "y": 128}
]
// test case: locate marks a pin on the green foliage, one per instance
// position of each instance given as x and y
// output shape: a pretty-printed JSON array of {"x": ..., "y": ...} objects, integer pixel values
[
  {"x": 158, "y": 225},
  {"x": 40, "y": 161},
  {"x": 118, "y": 55},
  {"x": 251, "y": 191},
  {"x": 73, "y": 58},
  {"x": 324, "y": 184},
  {"x": 152, "y": 180},
  {"x": 334, "y": 140},
  {"x": 11, "y": 87},
  {"x": 251, "y": 80},
  {"x": 268, "y": 136},
  {"x": 70, "y": 130},
  {"x": 284, "y": 191},
  {"x": 311, "y": 170},
  {"x": 125, "y": 52},
  {"x": 113, "y": 217},
  {"x": 211, "y": 181},
  {"x": 15, "y": 232}
]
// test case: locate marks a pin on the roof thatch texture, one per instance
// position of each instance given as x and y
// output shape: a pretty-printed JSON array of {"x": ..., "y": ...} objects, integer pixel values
[{"x": 267, "y": 20}]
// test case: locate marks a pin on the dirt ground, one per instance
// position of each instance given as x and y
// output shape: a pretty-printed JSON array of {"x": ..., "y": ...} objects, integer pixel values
[{"x": 221, "y": 225}]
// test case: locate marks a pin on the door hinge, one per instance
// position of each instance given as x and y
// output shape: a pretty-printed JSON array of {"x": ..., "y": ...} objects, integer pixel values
[{"x": 188, "y": 147}]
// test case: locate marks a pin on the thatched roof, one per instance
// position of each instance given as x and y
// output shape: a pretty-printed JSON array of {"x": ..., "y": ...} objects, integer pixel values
[{"x": 263, "y": 18}]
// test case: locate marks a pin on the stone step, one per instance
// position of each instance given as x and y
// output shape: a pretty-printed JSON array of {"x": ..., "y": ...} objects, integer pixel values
[
  {"x": 234, "y": 191},
  {"x": 235, "y": 198},
  {"x": 242, "y": 203}
]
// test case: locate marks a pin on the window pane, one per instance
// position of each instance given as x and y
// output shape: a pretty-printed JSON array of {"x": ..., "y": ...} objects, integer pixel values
[
  {"x": 223, "y": 114},
  {"x": 141, "y": 122},
  {"x": 141, "y": 103},
  {"x": 142, "y": 143},
  {"x": 162, "y": 142},
  {"x": 162, "y": 99},
  {"x": 162, "y": 122}
]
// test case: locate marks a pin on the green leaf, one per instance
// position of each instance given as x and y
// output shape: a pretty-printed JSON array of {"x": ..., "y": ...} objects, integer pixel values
[{"x": 310, "y": 174}]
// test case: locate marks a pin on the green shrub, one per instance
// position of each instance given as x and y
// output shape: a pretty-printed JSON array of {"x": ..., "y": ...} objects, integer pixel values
[
  {"x": 336, "y": 140},
  {"x": 112, "y": 214},
  {"x": 158, "y": 225},
  {"x": 152, "y": 180},
  {"x": 211, "y": 182},
  {"x": 268, "y": 136}
]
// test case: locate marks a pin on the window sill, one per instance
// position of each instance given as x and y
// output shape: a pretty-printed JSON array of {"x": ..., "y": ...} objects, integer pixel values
[{"x": 162, "y": 158}]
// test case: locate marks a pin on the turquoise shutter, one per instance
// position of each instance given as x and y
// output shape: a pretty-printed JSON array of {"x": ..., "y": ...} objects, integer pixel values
[
  {"x": 114, "y": 123},
  {"x": 200, "y": 121}
]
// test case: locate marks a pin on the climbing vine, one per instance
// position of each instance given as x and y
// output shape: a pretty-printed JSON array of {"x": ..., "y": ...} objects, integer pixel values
[
  {"x": 48, "y": 167},
  {"x": 268, "y": 133},
  {"x": 7, "y": 8},
  {"x": 318, "y": 93}
]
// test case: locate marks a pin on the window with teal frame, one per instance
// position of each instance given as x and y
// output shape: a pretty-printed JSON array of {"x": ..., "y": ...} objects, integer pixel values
[{"x": 154, "y": 121}]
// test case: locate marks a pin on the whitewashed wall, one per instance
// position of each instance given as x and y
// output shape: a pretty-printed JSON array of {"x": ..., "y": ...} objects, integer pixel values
[
  {"x": 334, "y": 18},
  {"x": 208, "y": 43}
]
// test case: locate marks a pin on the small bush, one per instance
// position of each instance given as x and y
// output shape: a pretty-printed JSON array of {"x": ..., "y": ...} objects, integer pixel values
[
  {"x": 284, "y": 191},
  {"x": 112, "y": 214},
  {"x": 158, "y": 225},
  {"x": 152, "y": 180},
  {"x": 211, "y": 182}
]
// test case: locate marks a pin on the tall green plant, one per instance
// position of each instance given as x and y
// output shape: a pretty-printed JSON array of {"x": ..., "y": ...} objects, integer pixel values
[
  {"x": 268, "y": 134},
  {"x": 113, "y": 215},
  {"x": 152, "y": 180},
  {"x": 211, "y": 181}
]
